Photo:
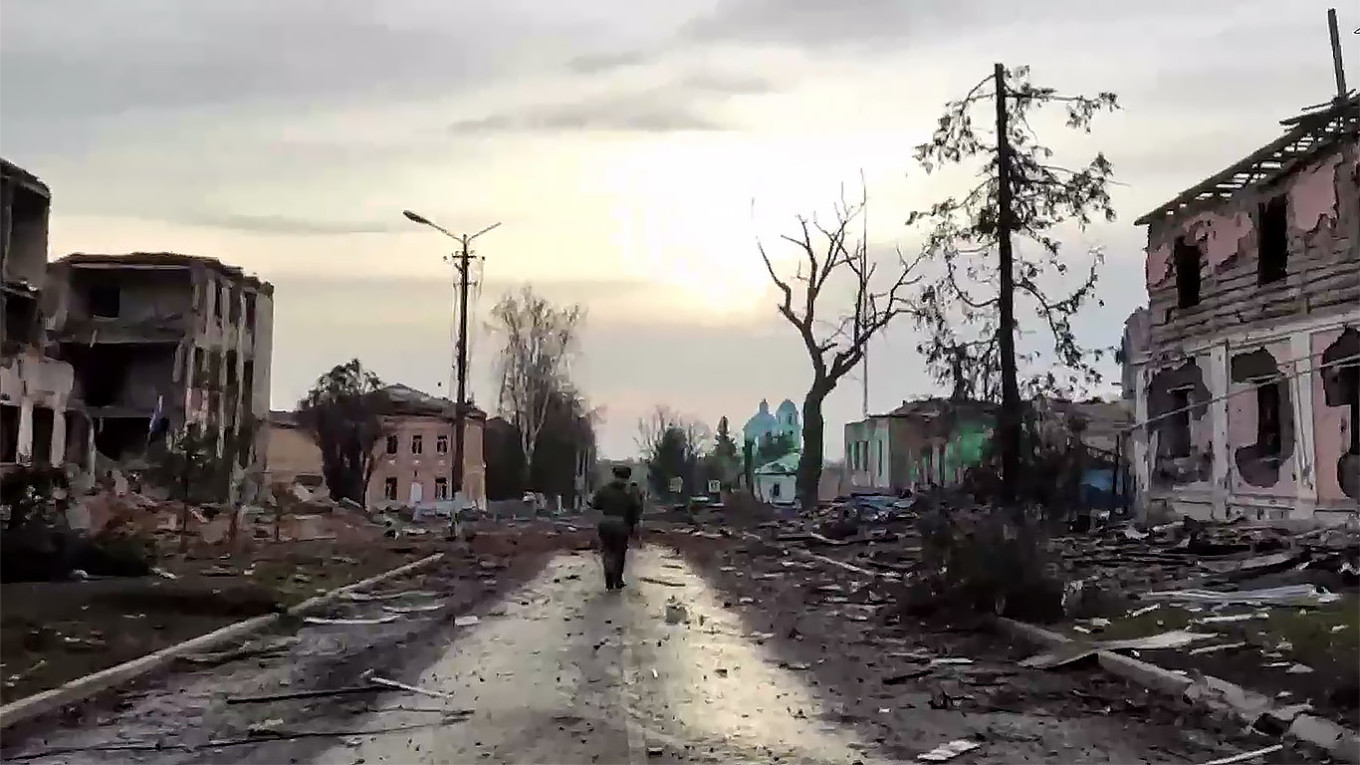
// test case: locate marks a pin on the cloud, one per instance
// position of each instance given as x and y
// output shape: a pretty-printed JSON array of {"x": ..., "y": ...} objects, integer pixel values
[
  {"x": 283, "y": 224},
  {"x": 680, "y": 106}
]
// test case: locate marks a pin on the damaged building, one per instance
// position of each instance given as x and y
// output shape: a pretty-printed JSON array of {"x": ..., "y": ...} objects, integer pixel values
[
  {"x": 39, "y": 420},
  {"x": 160, "y": 340},
  {"x": 414, "y": 460},
  {"x": 1247, "y": 373}
]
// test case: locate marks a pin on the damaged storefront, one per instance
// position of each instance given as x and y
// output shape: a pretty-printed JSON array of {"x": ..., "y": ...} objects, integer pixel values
[{"x": 1248, "y": 381}]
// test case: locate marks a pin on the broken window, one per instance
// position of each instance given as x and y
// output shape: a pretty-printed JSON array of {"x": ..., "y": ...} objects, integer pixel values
[
  {"x": 880, "y": 459},
  {"x": 441, "y": 488},
  {"x": 417, "y": 444},
  {"x": 250, "y": 311},
  {"x": 9, "y": 433},
  {"x": 44, "y": 420},
  {"x": 1175, "y": 440},
  {"x": 1272, "y": 240},
  {"x": 1269, "y": 428},
  {"x": 234, "y": 306},
  {"x": 1188, "y": 260},
  {"x": 391, "y": 444},
  {"x": 104, "y": 300},
  {"x": 441, "y": 444},
  {"x": 390, "y": 489}
]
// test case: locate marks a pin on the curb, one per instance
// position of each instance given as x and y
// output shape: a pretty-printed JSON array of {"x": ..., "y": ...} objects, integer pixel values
[
  {"x": 1334, "y": 740},
  {"x": 83, "y": 688}
]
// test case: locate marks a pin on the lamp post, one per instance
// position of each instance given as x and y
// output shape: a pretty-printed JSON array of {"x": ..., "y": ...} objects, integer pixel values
[{"x": 462, "y": 260}]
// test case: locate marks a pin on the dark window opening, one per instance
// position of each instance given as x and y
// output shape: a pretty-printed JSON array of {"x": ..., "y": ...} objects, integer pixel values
[
  {"x": 117, "y": 437},
  {"x": 43, "y": 423},
  {"x": 234, "y": 309},
  {"x": 1272, "y": 234},
  {"x": 105, "y": 301},
  {"x": 1188, "y": 261},
  {"x": 250, "y": 311},
  {"x": 77, "y": 437},
  {"x": 1176, "y": 434},
  {"x": 390, "y": 489},
  {"x": 21, "y": 319},
  {"x": 1350, "y": 387},
  {"x": 248, "y": 386},
  {"x": 9, "y": 433},
  {"x": 441, "y": 444},
  {"x": 391, "y": 444},
  {"x": 417, "y": 445},
  {"x": 1269, "y": 431},
  {"x": 441, "y": 488},
  {"x": 774, "y": 489}
]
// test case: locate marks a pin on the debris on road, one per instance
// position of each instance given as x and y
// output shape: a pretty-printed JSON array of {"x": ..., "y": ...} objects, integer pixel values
[
  {"x": 948, "y": 751},
  {"x": 466, "y": 620},
  {"x": 368, "y": 675},
  {"x": 421, "y": 609},
  {"x": 1244, "y": 756},
  {"x": 349, "y": 622},
  {"x": 322, "y": 693}
]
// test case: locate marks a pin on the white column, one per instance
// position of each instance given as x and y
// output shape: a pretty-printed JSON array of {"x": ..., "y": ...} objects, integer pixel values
[
  {"x": 58, "y": 452},
  {"x": 24, "y": 453},
  {"x": 1305, "y": 449},
  {"x": 1217, "y": 361}
]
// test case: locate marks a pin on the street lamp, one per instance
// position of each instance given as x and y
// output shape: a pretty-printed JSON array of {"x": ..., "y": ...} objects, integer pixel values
[{"x": 462, "y": 260}]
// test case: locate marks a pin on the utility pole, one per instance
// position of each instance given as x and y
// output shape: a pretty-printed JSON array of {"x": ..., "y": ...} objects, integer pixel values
[
  {"x": 1337, "y": 68},
  {"x": 462, "y": 262},
  {"x": 1010, "y": 388}
]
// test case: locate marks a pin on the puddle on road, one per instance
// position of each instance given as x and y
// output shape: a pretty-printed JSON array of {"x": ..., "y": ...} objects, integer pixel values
[{"x": 710, "y": 682}]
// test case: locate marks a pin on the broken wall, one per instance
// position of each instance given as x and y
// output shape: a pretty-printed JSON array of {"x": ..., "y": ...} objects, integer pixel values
[
  {"x": 1336, "y": 404},
  {"x": 1261, "y": 427},
  {"x": 1322, "y": 203}
]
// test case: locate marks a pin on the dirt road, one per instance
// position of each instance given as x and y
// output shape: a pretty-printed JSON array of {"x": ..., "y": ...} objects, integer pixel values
[{"x": 561, "y": 671}]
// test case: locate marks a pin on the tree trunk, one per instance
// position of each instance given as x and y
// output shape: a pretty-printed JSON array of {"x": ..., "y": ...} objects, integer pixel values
[{"x": 810, "y": 461}]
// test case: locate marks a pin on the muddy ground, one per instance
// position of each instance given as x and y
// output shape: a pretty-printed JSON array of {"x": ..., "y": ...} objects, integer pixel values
[
  {"x": 54, "y": 632},
  {"x": 843, "y": 628}
]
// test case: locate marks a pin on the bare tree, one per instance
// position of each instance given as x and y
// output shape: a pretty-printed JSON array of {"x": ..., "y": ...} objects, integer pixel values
[
  {"x": 539, "y": 342},
  {"x": 672, "y": 445},
  {"x": 968, "y": 310},
  {"x": 826, "y": 251}
]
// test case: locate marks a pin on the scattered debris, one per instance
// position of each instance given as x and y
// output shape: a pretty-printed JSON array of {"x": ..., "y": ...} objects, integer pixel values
[
  {"x": 662, "y": 582},
  {"x": 948, "y": 751},
  {"x": 368, "y": 675},
  {"x": 466, "y": 620},
  {"x": 349, "y": 622},
  {"x": 421, "y": 609},
  {"x": 305, "y": 694},
  {"x": 676, "y": 612},
  {"x": 1244, "y": 756}
]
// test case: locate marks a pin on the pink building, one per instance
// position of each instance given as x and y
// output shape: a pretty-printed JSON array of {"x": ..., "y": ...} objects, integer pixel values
[
  {"x": 413, "y": 464},
  {"x": 1250, "y": 378}
]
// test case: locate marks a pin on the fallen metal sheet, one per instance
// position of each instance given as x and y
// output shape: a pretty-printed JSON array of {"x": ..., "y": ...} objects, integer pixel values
[
  {"x": 421, "y": 609},
  {"x": 364, "y": 597},
  {"x": 1076, "y": 651},
  {"x": 1231, "y": 618},
  {"x": 1254, "y": 565},
  {"x": 349, "y": 622},
  {"x": 1243, "y": 757},
  {"x": 1289, "y": 595},
  {"x": 948, "y": 751},
  {"x": 1217, "y": 648}
]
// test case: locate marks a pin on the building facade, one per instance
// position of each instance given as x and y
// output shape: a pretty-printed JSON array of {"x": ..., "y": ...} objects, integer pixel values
[
  {"x": 40, "y": 422},
  {"x": 413, "y": 463},
  {"x": 1248, "y": 382},
  {"x": 931, "y": 441},
  {"x": 159, "y": 340},
  {"x": 291, "y": 454}
]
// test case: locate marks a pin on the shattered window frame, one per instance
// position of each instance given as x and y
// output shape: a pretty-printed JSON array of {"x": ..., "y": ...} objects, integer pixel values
[
  {"x": 417, "y": 444},
  {"x": 390, "y": 489},
  {"x": 441, "y": 488},
  {"x": 441, "y": 444}
]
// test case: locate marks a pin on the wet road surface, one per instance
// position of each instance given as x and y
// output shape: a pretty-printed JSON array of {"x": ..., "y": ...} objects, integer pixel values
[{"x": 563, "y": 672}]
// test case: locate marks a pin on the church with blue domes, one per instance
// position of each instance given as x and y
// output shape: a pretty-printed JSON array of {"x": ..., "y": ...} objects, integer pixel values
[{"x": 784, "y": 421}]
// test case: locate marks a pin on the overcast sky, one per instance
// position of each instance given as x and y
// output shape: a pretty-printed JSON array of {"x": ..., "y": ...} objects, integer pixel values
[{"x": 621, "y": 144}]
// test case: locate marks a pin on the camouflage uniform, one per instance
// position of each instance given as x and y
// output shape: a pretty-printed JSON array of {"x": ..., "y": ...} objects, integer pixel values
[{"x": 620, "y": 511}]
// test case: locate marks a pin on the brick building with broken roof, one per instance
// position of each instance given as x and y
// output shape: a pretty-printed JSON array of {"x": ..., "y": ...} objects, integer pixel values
[
  {"x": 39, "y": 420},
  {"x": 1248, "y": 378},
  {"x": 158, "y": 340},
  {"x": 413, "y": 463}
]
